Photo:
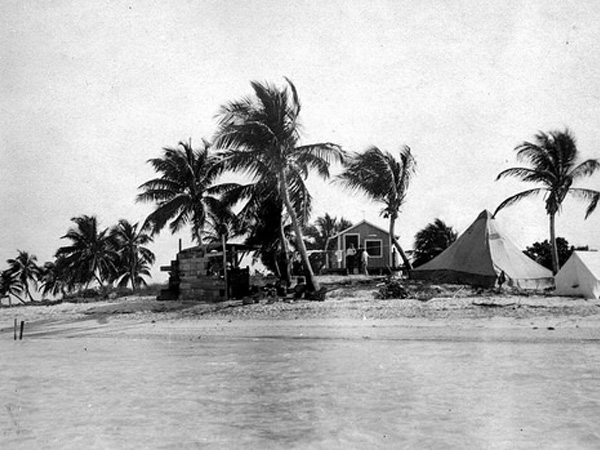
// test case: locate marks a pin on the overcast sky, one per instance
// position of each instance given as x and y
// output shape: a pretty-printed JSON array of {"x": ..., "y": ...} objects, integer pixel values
[{"x": 91, "y": 91}]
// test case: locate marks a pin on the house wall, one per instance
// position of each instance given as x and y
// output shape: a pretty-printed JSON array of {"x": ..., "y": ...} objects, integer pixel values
[{"x": 365, "y": 232}]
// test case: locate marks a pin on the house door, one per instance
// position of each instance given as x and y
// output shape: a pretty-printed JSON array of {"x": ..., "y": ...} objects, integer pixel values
[{"x": 350, "y": 240}]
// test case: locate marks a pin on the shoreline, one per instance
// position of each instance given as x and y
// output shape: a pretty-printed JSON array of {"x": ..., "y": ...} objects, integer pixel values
[{"x": 350, "y": 312}]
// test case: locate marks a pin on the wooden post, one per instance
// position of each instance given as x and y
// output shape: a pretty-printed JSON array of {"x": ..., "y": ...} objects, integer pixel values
[
  {"x": 15, "y": 329},
  {"x": 22, "y": 327}
]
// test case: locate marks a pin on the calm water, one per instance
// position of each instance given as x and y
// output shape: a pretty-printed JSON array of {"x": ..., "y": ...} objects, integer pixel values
[{"x": 298, "y": 393}]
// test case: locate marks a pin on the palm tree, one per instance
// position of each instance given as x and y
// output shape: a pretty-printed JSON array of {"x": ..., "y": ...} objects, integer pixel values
[
  {"x": 91, "y": 254},
  {"x": 553, "y": 160},
  {"x": 261, "y": 137},
  {"x": 328, "y": 226},
  {"x": 10, "y": 286},
  {"x": 432, "y": 240},
  {"x": 25, "y": 271},
  {"x": 263, "y": 211},
  {"x": 55, "y": 277},
  {"x": 259, "y": 219},
  {"x": 134, "y": 259},
  {"x": 385, "y": 179},
  {"x": 183, "y": 192}
]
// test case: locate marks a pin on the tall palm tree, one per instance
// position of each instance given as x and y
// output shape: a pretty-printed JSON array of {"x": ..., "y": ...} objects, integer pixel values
[
  {"x": 261, "y": 137},
  {"x": 183, "y": 192},
  {"x": 25, "y": 270},
  {"x": 134, "y": 259},
  {"x": 385, "y": 179},
  {"x": 553, "y": 159},
  {"x": 91, "y": 254}
]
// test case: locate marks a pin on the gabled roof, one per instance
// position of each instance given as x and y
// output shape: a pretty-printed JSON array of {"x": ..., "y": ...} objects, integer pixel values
[{"x": 349, "y": 229}]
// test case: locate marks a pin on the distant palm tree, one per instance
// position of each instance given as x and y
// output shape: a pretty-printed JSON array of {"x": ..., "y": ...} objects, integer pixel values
[
  {"x": 221, "y": 223},
  {"x": 553, "y": 159},
  {"x": 91, "y": 255},
  {"x": 260, "y": 219},
  {"x": 10, "y": 286},
  {"x": 261, "y": 137},
  {"x": 385, "y": 179},
  {"x": 432, "y": 240},
  {"x": 184, "y": 191},
  {"x": 134, "y": 260},
  {"x": 25, "y": 271},
  {"x": 55, "y": 277},
  {"x": 324, "y": 228}
]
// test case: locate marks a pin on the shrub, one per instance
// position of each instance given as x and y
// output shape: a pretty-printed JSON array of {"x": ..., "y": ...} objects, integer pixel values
[
  {"x": 399, "y": 289},
  {"x": 393, "y": 289}
]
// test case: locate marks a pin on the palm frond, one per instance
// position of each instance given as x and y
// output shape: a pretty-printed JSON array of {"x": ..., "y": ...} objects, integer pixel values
[
  {"x": 527, "y": 174},
  {"x": 585, "y": 169},
  {"x": 166, "y": 211},
  {"x": 587, "y": 195},
  {"x": 517, "y": 197}
]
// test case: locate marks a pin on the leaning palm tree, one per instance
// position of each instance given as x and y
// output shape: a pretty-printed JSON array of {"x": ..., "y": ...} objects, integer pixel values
[
  {"x": 91, "y": 254},
  {"x": 553, "y": 160},
  {"x": 25, "y": 270},
  {"x": 261, "y": 137},
  {"x": 183, "y": 192},
  {"x": 385, "y": 179},
  {"x": 134, "y": 260}
]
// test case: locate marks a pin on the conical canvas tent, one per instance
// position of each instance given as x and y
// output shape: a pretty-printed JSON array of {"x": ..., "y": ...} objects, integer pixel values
[
  {"x": 580, "y": 276},
  {"x": 481, "y": 256}
]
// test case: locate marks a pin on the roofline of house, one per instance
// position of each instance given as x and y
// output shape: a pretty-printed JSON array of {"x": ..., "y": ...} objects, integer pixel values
[{"x": 354, "y": 226}]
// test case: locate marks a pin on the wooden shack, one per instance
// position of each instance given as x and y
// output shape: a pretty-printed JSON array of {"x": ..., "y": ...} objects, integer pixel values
[{"x": 203, "y": 273}]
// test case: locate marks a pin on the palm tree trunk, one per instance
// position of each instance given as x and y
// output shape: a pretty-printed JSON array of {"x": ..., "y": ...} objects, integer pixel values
[
  {"x": 98, "y": 280},
  {"x": 18, "y": 298},
  {"x": 132, "y": 266},
  {"x": 555, "y": 262},
  {"x": 28, "y": 292},
  {"x": 312, "y": 281},
  {"x": 224, "y": 247},
  {"x": 407, "y": 262},
  {"x": 286, "y": 273}
]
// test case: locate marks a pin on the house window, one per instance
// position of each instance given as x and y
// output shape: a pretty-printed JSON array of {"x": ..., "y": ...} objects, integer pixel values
[{"x": 374, "y": 248}]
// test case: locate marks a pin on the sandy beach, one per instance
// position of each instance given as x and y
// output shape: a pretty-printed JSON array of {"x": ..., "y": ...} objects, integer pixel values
[{"x": 350, "y": 310}]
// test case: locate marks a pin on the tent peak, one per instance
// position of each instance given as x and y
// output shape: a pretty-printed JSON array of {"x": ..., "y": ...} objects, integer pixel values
[{"x": 485, "y": 214}]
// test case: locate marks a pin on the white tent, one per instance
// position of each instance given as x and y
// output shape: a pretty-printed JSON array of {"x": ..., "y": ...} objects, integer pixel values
[
  {"x": 580, "y": 276},
  {"x": 480, "y": 256}
]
